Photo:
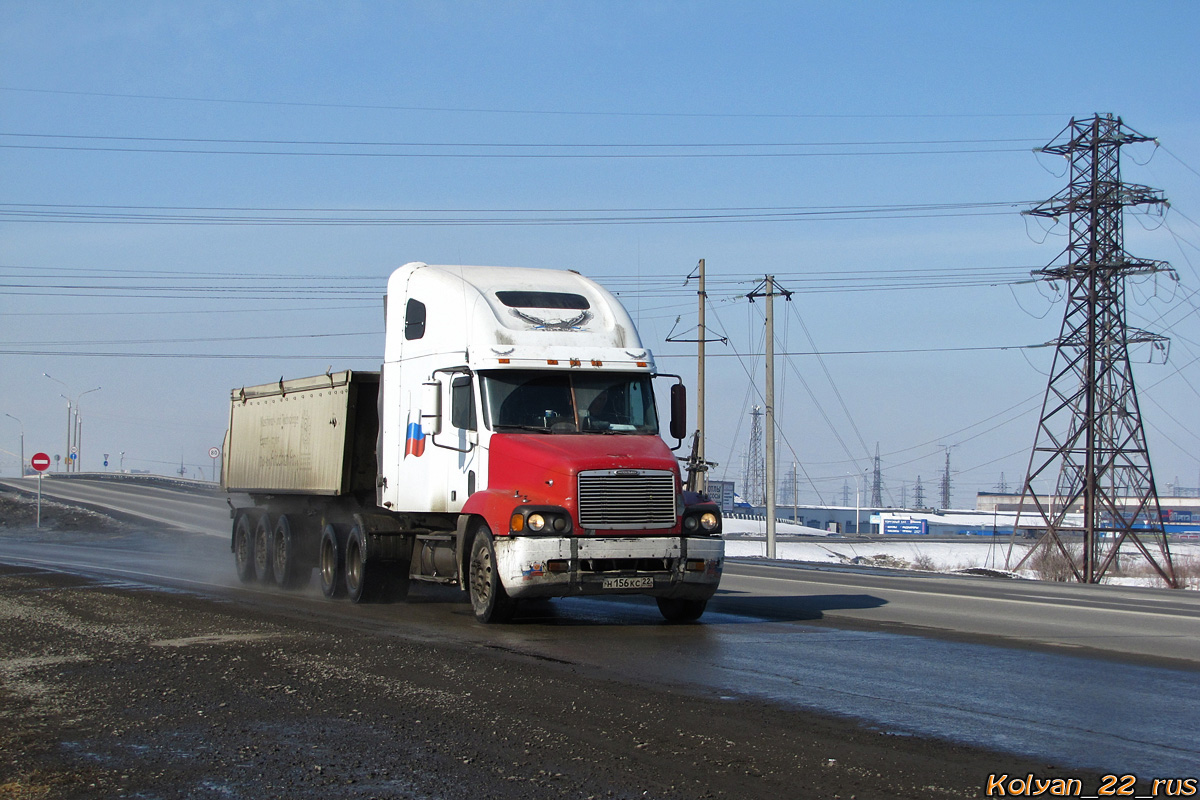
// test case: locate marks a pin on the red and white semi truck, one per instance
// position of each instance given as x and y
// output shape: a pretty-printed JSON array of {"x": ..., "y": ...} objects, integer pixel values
[{"x": 508, "y": 445}]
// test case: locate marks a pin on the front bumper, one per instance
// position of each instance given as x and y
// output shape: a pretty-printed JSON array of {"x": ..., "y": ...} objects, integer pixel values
[{"x": 659, "y": 566}]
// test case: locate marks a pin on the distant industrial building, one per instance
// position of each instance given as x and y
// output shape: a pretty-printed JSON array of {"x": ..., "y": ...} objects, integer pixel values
[{"x": 994, "y": 515}]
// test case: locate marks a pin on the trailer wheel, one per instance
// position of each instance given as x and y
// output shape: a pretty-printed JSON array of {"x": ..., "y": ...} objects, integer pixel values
[
  {"x": 489, "y": 600},
  {"x": 243, "y": 547},
  {"x": 677, "y": 609},
  {"x": 286, "y": 557},
  {"x": 331, "y": 564},
  {"x": 262, "y": 549},
  {"x": 364, "y": 578}
]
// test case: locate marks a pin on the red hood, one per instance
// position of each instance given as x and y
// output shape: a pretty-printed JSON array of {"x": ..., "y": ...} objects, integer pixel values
[{"x": 526, "y": 463}]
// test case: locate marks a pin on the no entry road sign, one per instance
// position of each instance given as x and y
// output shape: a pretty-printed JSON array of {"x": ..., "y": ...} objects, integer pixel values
[{"x": 40, "y": 462}]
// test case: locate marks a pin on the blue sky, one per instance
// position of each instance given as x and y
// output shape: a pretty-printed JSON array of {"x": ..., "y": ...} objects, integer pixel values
[{"x": 661, "y": 115}]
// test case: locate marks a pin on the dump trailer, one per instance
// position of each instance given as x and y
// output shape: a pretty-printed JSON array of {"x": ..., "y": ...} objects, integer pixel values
[{"x": 509, "y": 445}]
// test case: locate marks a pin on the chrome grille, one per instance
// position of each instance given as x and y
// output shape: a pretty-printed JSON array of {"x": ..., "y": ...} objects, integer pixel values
[{"x": 614, "y": 499}]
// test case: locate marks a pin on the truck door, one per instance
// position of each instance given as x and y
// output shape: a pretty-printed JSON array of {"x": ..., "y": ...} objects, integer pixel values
[{"x": 464, "y": 428}]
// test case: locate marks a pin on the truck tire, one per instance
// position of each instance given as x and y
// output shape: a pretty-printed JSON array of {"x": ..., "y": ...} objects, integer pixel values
[
  {"x": 287, "y": 558},
  {"x": 366, "y": 578},
  {"x": 331, "y": 563},
  {"x": 489, "y": 600},
  {"x": 243, "y": 547},
  {"x": 677, "y": 609},
  {"x": 262, "y": 549}
]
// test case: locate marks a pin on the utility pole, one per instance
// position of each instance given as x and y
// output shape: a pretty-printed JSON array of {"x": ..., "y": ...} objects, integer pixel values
[
  {"x": 701, "y": 481},
  {"x": 1090, "y": 432},
  {"x": 768, "y": 290},
  {"x": 697, "y": 464},
  {"x": 769, "y": 431}
]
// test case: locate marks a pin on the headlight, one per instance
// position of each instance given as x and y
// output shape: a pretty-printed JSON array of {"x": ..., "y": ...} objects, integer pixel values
[
  {"x": 690, "y": 523},
  {"x": 708, "y": 521},
  {"x": 536, "y": 522}
]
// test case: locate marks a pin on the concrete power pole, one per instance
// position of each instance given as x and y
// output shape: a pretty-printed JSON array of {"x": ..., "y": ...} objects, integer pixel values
[
  {"x": 768, "y": 290},
  {"x": 769, "y": 431},
  {"x": 702, "y": 478}
]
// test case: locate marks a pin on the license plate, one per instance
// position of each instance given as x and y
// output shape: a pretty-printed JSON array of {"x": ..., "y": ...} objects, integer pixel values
[{"x": 646, "y": 582}]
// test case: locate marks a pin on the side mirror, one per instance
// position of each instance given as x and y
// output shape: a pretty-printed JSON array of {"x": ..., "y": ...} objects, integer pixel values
[
  {"x": 678, "y": 411},
  {"x": 431, "y": 408}
]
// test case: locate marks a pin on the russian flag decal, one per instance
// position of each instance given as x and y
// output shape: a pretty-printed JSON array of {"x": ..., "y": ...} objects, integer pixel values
[{"x": 414, "y": 440}]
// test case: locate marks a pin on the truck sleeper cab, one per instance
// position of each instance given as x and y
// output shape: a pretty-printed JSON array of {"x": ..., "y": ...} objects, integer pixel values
[{"x": 512, "y": 447}]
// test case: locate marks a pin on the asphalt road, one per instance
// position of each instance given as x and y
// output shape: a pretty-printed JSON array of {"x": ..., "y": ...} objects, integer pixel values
[{"x": 1101, "y": 677}]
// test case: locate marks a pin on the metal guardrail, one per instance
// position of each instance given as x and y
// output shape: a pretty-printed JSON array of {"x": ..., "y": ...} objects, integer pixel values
[{"x": 129, "y": 477}]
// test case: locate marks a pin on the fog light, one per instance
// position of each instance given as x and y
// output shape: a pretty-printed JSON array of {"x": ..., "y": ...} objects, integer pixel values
[
  {"x": 559, "y": 565},
  {"x": 708, "y": 521},
  {"x": 536, "y": 522}
]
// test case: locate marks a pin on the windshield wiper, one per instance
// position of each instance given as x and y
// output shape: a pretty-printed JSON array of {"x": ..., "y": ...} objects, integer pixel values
[{"x": 534, "y": 428}]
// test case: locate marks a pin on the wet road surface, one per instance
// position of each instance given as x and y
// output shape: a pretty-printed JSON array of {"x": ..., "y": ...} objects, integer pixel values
[{"x": 1084, "y": 710}]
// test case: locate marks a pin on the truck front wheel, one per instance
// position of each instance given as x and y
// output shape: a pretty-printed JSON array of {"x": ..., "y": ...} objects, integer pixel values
[
  {"x": 243, "y": 547},
  {"x": 489, "y": 600},
  {"x": 332, "y": 567},
  {"x": 675, "y": 609}
]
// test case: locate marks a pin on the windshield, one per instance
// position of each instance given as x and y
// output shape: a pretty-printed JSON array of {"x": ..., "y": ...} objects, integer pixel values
[{"x": 569, "y": 402}]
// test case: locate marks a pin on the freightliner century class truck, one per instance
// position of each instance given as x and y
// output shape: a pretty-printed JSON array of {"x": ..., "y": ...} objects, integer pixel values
[{"x": 509, "y": 445}]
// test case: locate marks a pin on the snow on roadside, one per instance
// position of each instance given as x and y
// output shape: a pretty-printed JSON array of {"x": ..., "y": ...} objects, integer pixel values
[{"x": 973, "y": 552}]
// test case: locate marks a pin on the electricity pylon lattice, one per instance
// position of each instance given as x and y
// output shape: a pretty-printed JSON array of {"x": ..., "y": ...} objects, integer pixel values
[
  {"x": 877, "y": 482},
  {"x": 755, "y": 479},
  {"x": 1090, "y": 440}
]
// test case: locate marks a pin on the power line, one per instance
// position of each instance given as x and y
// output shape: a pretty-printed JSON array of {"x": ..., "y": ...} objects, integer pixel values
[
  {"x": 508, "y": 145},
  {"x": 897, "y": 350},
  {"x": 108, "y": 214},
  {"x": 489, "y": 156},
  {"x": 251, "y": 356},
  {"x": 536, "y": 112}
]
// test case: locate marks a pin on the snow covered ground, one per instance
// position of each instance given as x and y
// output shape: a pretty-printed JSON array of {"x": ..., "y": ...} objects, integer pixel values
[{"x": 972, "y": 552}]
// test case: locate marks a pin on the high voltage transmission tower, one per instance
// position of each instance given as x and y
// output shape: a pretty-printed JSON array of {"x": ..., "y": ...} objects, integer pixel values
[
  {"x": 1090, "y": 437},
  {"x": 877, "y": 482},
  {"x": 918, "y": 494},
  {"x": 755, "y": 477},
  {"x": 945, "y": 484}
]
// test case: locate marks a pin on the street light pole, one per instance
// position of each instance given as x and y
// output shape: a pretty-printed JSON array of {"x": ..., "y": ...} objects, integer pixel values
[
  {"x": 67, "y": 454},
  {"x": 79, "y": 429},
  {"x": 21, "y": 471},
  {"x": 857, "y": 504},
  {"x": 76, "y": 425}
]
